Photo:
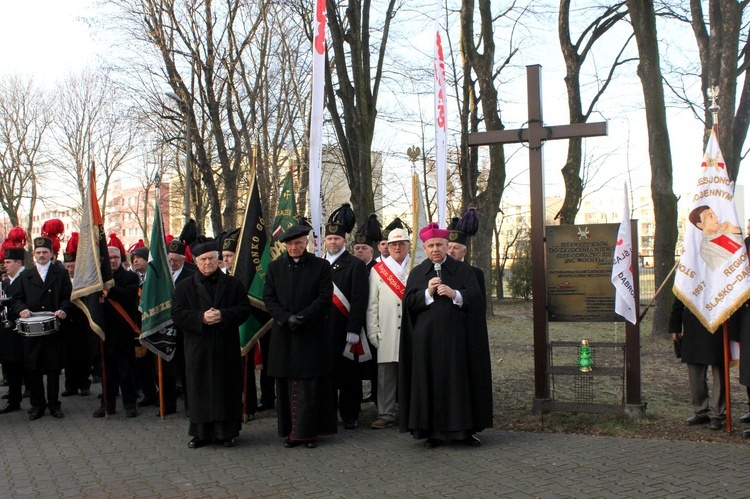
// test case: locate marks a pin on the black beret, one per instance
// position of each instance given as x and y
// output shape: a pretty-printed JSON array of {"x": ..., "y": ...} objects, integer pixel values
[
  {"x": 141, "y": 252},
  {"x": 294, "y": 232}
]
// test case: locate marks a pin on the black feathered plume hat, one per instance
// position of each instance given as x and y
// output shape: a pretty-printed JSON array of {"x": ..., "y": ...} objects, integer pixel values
[
  {"x": 369, "y": 232},
  {"x": 461, "y": 229},
  {"x": 341, "y": 222}
]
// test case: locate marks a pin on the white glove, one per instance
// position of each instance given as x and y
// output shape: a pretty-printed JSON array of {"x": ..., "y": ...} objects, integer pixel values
[
  {"x": 375, "y": 339},
  {"x": 352, "y": 338}
]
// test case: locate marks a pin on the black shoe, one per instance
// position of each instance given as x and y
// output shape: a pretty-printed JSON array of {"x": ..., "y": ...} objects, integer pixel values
[
  {"x": 351, "y": 425},
  {"x": 195, "y": 443},
  {"x": 746, "y": 434},
  {"x": 131, "y": 413},
  {"x": 99, "y": 413},
  {"x": 289, "y": 443},
  {"x": 85, "y": 392},
  {"x": 36, "y": 414},
  {"x": 4, "y": 382},
  {"x": 147, "y": 401},
  {"x": 26, "y": 393},
  {"x": 697, "y": 419},
  {"x": 311, "y": 444},
  {"x": 96, "y": 379},
  {"x": 745, "y": 418},
  {"x": 69, "y": 392},
  {"x": 716, "y": 424},
  {"x": 368, "y": 398},
  {"x": 227, "y": 443},
  {"x": 6, "y": 396},
  {"x": 57, "y": 413},
  {"x": 10, "y": 408},
  {"x": 473, "y": 441},
  {"x": 431, "y": 443}
]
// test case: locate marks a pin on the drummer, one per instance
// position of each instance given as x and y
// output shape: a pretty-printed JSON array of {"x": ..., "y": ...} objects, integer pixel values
[{"x": 45, "y": 287}]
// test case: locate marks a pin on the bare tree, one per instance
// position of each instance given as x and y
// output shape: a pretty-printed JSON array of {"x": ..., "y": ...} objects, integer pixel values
[
  {"x": 480, "y": 76},
  {"x": 353, "y": 79},
  {"x": 24, "y": 121},
  {"x": 91, "y": 125},
  {"x": 643, "y": 18},
  {"x": 724, "y": 54},
  {"x": 575, "y": 54}
]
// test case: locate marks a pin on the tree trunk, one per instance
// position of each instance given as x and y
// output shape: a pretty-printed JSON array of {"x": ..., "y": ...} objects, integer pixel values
[{"x": 665, "y": 204}]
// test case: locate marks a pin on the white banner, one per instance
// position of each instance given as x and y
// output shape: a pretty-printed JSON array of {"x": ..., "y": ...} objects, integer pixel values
[
  {"x": 441, "y": 125},
  {"x": 316, "y": 121},
  {"x": 622, "y": 267},
  {"x": 713, "y": 275}
]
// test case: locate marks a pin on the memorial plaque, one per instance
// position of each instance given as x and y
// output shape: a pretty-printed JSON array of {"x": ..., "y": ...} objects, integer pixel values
[{"x": 579, "y": 269}]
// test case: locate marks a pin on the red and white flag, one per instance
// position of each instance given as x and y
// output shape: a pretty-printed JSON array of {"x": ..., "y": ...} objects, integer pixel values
[
  {"x": 713, "y": 275},
  {"x": 441, "y": 124},
  {"x": 316, "y": 120},
  {"x": 622, "y": 267}
]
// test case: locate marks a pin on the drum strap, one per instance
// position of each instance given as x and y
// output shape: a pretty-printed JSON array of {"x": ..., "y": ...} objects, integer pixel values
[{"x": 125, "y": 316}]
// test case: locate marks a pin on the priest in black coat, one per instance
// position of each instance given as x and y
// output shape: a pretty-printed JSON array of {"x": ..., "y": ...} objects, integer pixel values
[
  {"x": 297, "y": 294},
  {"x": 445, "y": 379},
  {"x": 209, "y": 308}
]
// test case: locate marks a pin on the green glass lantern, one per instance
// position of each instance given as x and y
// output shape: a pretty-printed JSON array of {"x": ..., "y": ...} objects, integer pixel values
[{"x": 585, "y": 363}]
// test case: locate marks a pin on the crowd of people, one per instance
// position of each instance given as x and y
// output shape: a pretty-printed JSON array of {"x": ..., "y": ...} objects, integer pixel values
[{"x": 417, "y": 333}]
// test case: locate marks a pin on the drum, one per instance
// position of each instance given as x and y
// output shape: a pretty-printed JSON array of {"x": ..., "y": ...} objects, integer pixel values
[{"x": 39, "y": 324}]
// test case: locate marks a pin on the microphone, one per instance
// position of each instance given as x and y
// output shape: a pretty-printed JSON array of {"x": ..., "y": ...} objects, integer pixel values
[{"x": 437, "y": 271}]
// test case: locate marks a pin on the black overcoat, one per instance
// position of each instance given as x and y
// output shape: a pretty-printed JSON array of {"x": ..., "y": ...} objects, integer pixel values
[
  {"x": 303, "y": 288},
  {"x": 444, "y": 378},
  {"x": 213, "y": 359},
  {"x": 50, "y": 295},
  {"x": 350, "y": 275},
  {"x": 118, "y": 334},
  {"x": 699, "y": 346}
]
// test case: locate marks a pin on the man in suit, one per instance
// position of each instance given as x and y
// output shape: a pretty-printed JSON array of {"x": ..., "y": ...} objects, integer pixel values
[
  {"x": 346, "y": 322},
  {"x": 365, "y": 240},
  {"x": 461, "y": 229},
  {"x": 77, "y": 333},
  {"x": 120, "y": 308},
  {"x": 11, "y": 343},
  {"x": 384, "y": 310},
  {"x": 297, "y": 293},
  {"x": 46, "y": 287}
]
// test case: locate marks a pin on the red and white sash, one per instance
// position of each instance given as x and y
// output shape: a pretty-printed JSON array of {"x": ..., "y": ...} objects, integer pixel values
[
  {"x": 390, "y": 279},
  {"x": 361, "y": 348}
]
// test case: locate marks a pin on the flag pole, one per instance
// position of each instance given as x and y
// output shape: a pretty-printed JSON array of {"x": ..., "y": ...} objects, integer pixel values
[
  {"x": 245, "y": 416},
  {"x": 104, "y": 378},
  {"x": 160, "y": 374},
  {"x": 713, "y": 93},
  {"x": 658, "y": 291}
]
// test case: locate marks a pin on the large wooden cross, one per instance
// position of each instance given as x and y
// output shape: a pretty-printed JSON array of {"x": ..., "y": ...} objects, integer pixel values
[{"x": 535, "y": 135}]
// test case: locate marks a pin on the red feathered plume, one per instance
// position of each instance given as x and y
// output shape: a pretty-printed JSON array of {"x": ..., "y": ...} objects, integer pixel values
[
  {"x": 115, "y": 242},
  {"x": 133, "y": 247},
  {"x": 72, "y": 246},
  {"x": 53, "y": 229},
  {"x": 17, "y": 237}
]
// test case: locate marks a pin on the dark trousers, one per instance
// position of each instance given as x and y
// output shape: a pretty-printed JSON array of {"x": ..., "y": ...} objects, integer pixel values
[
  {"x": 120, "y": 370},
  {"x": 267, "y": 383},
  {"x": 348, "y": 384},
  {"x": 13, "y": 371},
  {"x": 36, "y": 387},
  {"x": 77, "y": 361},
  {"x": 146, "y": 374}
]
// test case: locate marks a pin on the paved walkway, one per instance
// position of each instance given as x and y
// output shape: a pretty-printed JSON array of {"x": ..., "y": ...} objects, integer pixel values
[{"x": 79, "y": 456}]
